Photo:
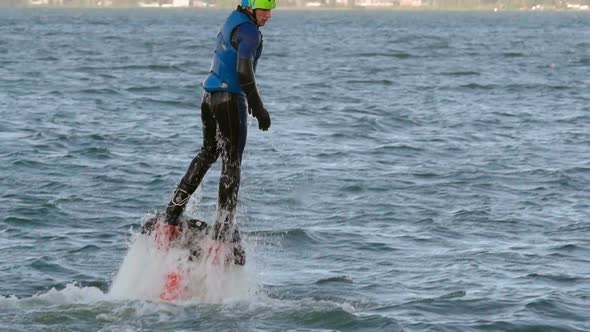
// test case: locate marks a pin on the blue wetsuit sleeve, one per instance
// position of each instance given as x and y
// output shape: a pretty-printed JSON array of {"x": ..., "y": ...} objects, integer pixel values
[{"x": 248, "y": 40}]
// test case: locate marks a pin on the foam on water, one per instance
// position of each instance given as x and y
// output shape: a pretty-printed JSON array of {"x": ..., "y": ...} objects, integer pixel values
[
  {"x": 144, "y": 270},
  {"x": 142, "y": 276},
  {"x": 71, "y": 294}
]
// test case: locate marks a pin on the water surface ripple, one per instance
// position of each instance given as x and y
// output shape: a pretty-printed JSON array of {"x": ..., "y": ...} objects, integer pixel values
[{"x": 424, "y": 171}]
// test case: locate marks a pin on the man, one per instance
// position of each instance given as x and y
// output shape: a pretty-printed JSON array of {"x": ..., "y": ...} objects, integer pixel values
[{"x": 230, "y": 92}]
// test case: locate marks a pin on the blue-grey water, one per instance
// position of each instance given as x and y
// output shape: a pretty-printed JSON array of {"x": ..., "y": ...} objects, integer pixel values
[{"x": 423, "y": 171}]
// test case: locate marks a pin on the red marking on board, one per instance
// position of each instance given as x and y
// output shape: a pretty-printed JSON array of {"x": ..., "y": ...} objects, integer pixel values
[
  {"x": 171, "y": 290},
  {"x": 165, "y": 234},
  {"x": 214, "y": 251}
]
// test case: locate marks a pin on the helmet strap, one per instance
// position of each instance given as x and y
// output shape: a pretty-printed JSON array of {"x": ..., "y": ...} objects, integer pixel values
[
  {"x": 254, "y": 16},
  {"x": 251, "y": 13}
]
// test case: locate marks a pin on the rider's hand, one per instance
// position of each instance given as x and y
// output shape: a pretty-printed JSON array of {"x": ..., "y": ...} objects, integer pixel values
[{"x": 261, "y": 114}]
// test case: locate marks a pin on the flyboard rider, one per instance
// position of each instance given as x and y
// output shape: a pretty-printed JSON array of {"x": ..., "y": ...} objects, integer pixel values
[{"x": 230, "y": 94}]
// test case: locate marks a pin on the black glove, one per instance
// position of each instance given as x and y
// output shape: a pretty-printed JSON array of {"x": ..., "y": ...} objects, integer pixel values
[{"x": 261, "y": 114}]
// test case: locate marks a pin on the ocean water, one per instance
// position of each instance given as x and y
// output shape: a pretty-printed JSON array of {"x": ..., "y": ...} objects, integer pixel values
[{"x": 423, "y": 172}]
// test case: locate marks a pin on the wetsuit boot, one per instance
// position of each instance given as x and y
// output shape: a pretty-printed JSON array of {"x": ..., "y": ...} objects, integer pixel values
[
  {"x": 167, "y": 225},
  {"x": 229, "y": 233},
  {"x": 176, "y": 206}
]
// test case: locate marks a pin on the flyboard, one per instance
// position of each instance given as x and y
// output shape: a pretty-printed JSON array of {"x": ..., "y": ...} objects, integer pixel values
[{"x": 190, "y": 235}]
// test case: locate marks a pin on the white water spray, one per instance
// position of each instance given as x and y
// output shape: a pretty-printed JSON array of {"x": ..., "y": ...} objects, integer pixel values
[{"x": 143, "y": 274}]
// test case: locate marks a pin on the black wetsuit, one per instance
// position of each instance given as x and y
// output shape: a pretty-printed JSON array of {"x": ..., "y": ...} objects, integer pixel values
[{"x": 224, "y": 118}]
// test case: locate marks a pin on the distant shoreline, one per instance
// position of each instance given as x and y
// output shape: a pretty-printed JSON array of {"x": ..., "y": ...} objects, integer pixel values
[{"x": 307, "y": 8}]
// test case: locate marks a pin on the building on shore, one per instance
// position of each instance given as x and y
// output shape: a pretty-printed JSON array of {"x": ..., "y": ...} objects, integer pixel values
[
  {"x": 72, "y": 3},
  {"x": 46, "y": 2},
  {"x": 173, "y": 3}
]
